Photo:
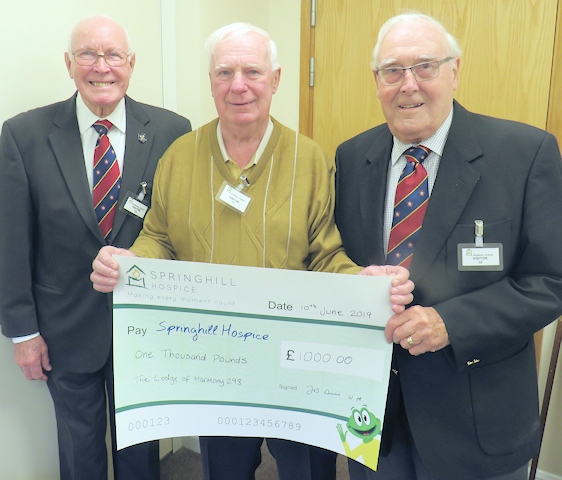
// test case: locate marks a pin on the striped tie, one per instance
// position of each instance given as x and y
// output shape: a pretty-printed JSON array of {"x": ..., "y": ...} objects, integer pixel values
[
  {"x": 106, "y": 178},
  {"x": 412, "y": 195}
]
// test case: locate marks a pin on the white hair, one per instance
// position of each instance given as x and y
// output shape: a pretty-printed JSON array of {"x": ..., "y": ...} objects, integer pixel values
[
  {"x": 454, "y": 50},
  {"x": 234, "y": 30}
]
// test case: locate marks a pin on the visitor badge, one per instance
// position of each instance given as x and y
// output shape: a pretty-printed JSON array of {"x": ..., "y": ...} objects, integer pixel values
[
  {"x": 233, "y": 197},
  {"x": 480, "y": 256}
]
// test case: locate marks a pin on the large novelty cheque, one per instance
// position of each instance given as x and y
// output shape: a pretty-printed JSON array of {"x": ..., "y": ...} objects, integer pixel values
[{"x": 203, "y": 349}]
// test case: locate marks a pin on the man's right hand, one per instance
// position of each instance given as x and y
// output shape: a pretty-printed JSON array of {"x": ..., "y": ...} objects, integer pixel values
[
  {"x": 106, "y": 268},
  {"x": 32, "y": 356}
]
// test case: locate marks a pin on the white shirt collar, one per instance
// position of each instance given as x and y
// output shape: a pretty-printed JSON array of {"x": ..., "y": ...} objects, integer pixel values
[{"x": 86, "y": 118}]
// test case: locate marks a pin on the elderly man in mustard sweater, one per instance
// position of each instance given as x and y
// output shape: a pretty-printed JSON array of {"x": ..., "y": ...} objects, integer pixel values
[{"x": 246, "y": 190}]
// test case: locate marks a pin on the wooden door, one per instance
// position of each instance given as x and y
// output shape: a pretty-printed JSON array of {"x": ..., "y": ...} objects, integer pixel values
[{"x": 506, "y": 66}]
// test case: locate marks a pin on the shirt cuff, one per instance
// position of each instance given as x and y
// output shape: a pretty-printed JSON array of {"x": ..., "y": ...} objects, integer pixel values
[{"x": 24, "y": 338}]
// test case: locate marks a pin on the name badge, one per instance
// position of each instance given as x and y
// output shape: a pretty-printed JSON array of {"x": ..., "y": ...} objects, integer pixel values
[
  {"x": 480, "y": 256},
  {"x": 488, "y": 257},
  {"x": 135, "y": 207},
  {"x": 233, "y": 198},
  {"x": 134, "y": 204}
]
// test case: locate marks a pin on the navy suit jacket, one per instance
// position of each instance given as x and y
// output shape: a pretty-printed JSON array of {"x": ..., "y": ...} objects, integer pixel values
[
  {"x": 472, "y": 406},
  {"x": 49, "y": 233}
]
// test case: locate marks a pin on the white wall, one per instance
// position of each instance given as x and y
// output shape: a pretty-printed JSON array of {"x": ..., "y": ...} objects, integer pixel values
[
  {"x": 28, "y": 442},
  {"x": 34, "y": 36}
]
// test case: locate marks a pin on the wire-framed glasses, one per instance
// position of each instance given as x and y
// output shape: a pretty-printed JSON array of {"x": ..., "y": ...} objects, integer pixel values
[
  {"x": 89, "y": 57},
  {"x": 422, "y": 71}
]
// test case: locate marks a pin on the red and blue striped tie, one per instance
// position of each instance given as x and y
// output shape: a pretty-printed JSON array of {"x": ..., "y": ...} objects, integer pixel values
[
  {"x": 106, "y": 178},
  {"x": 412, "y": 195}
]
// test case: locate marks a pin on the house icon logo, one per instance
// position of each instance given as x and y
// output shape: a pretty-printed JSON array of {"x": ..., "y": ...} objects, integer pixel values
[{"x": 135, "y": 277}]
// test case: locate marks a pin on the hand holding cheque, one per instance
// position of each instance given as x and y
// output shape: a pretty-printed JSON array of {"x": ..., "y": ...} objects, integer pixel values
[{"x": 106, "y": 272}]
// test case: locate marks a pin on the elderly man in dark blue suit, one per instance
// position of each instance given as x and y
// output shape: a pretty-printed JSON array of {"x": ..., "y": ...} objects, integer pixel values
[
  {"x": 463, "y": 400},
  {"x": 49, "y": 235}
]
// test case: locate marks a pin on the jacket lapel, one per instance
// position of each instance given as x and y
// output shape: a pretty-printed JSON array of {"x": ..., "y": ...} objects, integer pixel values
[
  {"x": 372, "y": 187},
  {"x": 67, "y": 148},
  {"x": 138, "y": 144},
  {"x": 455, "y": 182}
]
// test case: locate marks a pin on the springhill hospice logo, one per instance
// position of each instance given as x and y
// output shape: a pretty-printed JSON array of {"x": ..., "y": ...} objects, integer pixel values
[{"x": 135, "y": 277}]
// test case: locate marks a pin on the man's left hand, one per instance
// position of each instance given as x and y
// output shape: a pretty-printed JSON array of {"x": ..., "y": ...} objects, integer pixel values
[
  {"x": 402, "y": 287},
  {"x": 418, "y": 330}
]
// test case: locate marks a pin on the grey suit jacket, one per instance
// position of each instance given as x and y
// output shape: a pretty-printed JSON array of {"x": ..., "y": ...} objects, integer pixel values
[
  {"x": 48, "y": 229},
  {"x": 472, "y": 406}
]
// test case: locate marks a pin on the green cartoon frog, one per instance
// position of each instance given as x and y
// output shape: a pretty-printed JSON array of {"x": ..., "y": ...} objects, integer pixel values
[{"x": 366, "y": 426}]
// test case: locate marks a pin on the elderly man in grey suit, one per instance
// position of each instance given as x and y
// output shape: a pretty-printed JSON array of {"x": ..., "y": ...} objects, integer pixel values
[{"x": 50, "y": 231}]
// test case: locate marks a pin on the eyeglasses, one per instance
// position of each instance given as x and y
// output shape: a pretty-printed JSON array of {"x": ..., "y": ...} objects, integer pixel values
[
  {"x": 422, "y": 71},
  {"x": 88, "y": 58}
]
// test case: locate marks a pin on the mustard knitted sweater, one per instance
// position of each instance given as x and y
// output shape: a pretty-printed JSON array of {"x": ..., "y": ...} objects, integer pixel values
[{"x": 288, "y": 224}]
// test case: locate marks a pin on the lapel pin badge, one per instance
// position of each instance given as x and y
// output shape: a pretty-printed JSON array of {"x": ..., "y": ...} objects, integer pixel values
[{"x": 142, "y": 137}]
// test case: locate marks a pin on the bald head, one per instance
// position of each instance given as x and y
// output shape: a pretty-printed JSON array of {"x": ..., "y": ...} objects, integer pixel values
[{"x": 90, "y": 24}]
